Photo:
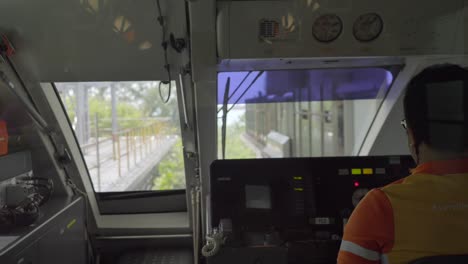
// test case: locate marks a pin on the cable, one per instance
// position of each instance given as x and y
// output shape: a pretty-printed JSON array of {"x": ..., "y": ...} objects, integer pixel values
[
  {"x": 237, "y": 88},
  {"x": 225, "y": 113},
  {"x": 162, "y": 23},
  {"x": 25, "y": 214},
  {"x": 213, "y": 244},
  {"x": 27, "y": 211},
  {"x": 44, "y": 187},
  {"x": 246, "y": 90},
  {"x": 168, "y": 97}
]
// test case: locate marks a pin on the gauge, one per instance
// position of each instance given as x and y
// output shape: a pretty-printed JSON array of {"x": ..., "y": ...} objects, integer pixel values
[
  {"x": 368, "y": 27},
  {"x": 327, "y": 28},
  {"x": 358, "y": 195}
]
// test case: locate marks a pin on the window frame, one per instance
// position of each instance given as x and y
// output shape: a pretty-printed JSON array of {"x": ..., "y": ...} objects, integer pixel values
[
  {"x": 163, "y": 201},
  {"x": 394, "y": 68}
]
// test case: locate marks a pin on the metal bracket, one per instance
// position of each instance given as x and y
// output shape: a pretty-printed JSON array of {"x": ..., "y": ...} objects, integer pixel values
[
  {"x": 178, "y": 44},
  {"x": 187, "y": 69},
  {"x": 63, "y": 156}
]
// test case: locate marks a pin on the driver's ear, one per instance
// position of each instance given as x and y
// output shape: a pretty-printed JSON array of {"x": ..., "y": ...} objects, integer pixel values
[
  {"x": 411, "y": 140},
  {"x": 412, "y": 145}
]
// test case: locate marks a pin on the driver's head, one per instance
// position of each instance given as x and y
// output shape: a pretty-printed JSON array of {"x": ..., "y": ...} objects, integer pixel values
[{"x": 436, "y": 112}]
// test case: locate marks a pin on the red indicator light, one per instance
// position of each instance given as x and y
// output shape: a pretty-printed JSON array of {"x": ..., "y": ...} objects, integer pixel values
[{"x": 356, "y": 184}]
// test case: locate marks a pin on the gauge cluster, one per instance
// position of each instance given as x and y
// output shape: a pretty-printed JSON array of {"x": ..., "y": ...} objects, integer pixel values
[
  {"x": 327, "y": 28},
  {"x": 366, "y": 28}
]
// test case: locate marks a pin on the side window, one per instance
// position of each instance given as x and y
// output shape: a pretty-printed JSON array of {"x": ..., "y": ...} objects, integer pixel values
[{"x": 129, "y": 138}]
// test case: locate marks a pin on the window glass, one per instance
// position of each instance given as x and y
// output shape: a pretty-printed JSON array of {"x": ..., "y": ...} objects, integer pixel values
[
  {"x": 298, "y": 113},
  {"x": 129, "y": 137}
]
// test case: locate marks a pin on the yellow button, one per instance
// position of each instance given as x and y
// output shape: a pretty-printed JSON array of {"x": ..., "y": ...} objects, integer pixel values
[{"x": 367, "y": 171}]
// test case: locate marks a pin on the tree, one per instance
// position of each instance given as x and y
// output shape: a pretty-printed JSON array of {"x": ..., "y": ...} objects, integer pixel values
[
  {"x": 235, "y": 146},
  {"x": 171, "y": 173},
  {"x": 125, "y": 111}
]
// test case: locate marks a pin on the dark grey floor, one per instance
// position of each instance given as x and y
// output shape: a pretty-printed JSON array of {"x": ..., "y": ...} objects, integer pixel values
[{"x": 157, "y": 256}]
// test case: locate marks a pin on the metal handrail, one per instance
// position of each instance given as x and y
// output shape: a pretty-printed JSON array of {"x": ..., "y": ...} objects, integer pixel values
[{"x": 139, "y": 142}]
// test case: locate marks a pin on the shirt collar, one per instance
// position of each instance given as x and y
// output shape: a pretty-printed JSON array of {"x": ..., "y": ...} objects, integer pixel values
[{"x": 441, "y": 167}]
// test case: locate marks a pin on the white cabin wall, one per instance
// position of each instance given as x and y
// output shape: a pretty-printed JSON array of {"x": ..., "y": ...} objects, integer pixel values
[
  {"x": 392, "y": 139},
  {"x": 408, "y": 28}
]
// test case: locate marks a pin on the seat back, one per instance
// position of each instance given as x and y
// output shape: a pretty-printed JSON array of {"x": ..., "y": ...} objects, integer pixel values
[{"x": 451, "y": 259}]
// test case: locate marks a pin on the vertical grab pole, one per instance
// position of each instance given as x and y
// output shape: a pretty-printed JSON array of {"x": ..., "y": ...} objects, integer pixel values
[
  {"x": 98, "y": 164},
  {"x": 114, "y": 156},
  {"x": 141, "y": 142},
  {"x": 128, "y": 150},
  {"x": 145, "y": 140},
  {"x": 134, "y": 147},
  {"x": 118, "y": 155}
]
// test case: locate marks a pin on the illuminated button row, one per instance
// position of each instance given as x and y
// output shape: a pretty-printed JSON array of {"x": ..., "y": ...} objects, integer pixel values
[
  {"x": 298, "y": 183},
  {"x": 361, "y": 171},
  {"x": 365, "y": 171}
]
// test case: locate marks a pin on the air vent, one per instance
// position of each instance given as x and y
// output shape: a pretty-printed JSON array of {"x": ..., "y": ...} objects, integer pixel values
[{"x": 269, "y": 29}]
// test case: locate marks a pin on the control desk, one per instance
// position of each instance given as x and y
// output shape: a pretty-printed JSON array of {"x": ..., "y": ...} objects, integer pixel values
[{"x": 292, "y": 210}]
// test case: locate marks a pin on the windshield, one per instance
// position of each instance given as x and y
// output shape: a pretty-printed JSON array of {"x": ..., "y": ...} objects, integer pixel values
[
  {"x": 298, "y": 113},
  {"x": 129, "y": 137}
]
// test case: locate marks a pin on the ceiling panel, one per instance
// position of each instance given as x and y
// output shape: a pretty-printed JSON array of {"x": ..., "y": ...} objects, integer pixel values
[{"x": 91, "y": 40}]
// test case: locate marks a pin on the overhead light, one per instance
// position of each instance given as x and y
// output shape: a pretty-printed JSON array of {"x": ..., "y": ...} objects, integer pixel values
[
  {"x": 316, "y": 6},
  {"x": 145, "y": 45},
  {"x": 91, "y": 6},
  {"x": 122, "y": 24},
  {"x": 289, "y": 22}
]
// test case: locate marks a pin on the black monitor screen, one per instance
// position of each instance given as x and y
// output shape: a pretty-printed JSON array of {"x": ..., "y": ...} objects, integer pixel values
[{"x": 257, "y": 197}]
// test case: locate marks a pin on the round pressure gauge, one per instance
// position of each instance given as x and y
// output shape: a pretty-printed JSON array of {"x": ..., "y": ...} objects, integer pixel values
[
  {"x": 327, "y": 28},
  {"x": 358, "y": 195},
  {"x": 368, "y": 27}
]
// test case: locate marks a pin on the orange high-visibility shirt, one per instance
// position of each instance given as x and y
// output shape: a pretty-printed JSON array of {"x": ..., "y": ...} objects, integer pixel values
[{"x": 425, "y": 214}]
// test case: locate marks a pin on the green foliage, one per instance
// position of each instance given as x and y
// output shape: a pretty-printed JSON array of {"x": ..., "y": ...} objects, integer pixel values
[
  {"x": 136, "y": 101},
  {"x": 103, "y": 110},
  {"x": 171, "y": 174},
  {"x": 235, "y": 146},
  {"x": 151, "y": 101}
]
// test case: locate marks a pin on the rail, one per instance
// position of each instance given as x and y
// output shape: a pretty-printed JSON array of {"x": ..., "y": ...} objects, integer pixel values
[{"x": 128, "y": 146}]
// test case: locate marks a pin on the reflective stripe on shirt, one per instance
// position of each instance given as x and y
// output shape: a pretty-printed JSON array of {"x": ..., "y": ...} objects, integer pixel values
[
  {"x": 359, "y": 251},
  {"x": 385, "y": 259}
]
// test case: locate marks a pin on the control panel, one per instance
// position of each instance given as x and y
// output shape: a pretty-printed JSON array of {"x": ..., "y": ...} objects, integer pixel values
[{"x": 299, "y": 203}]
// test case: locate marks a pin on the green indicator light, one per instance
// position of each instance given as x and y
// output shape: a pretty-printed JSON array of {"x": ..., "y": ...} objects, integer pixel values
[
  {"x": 71, "y": 224},
  {"x": 356, "y": 171}
]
